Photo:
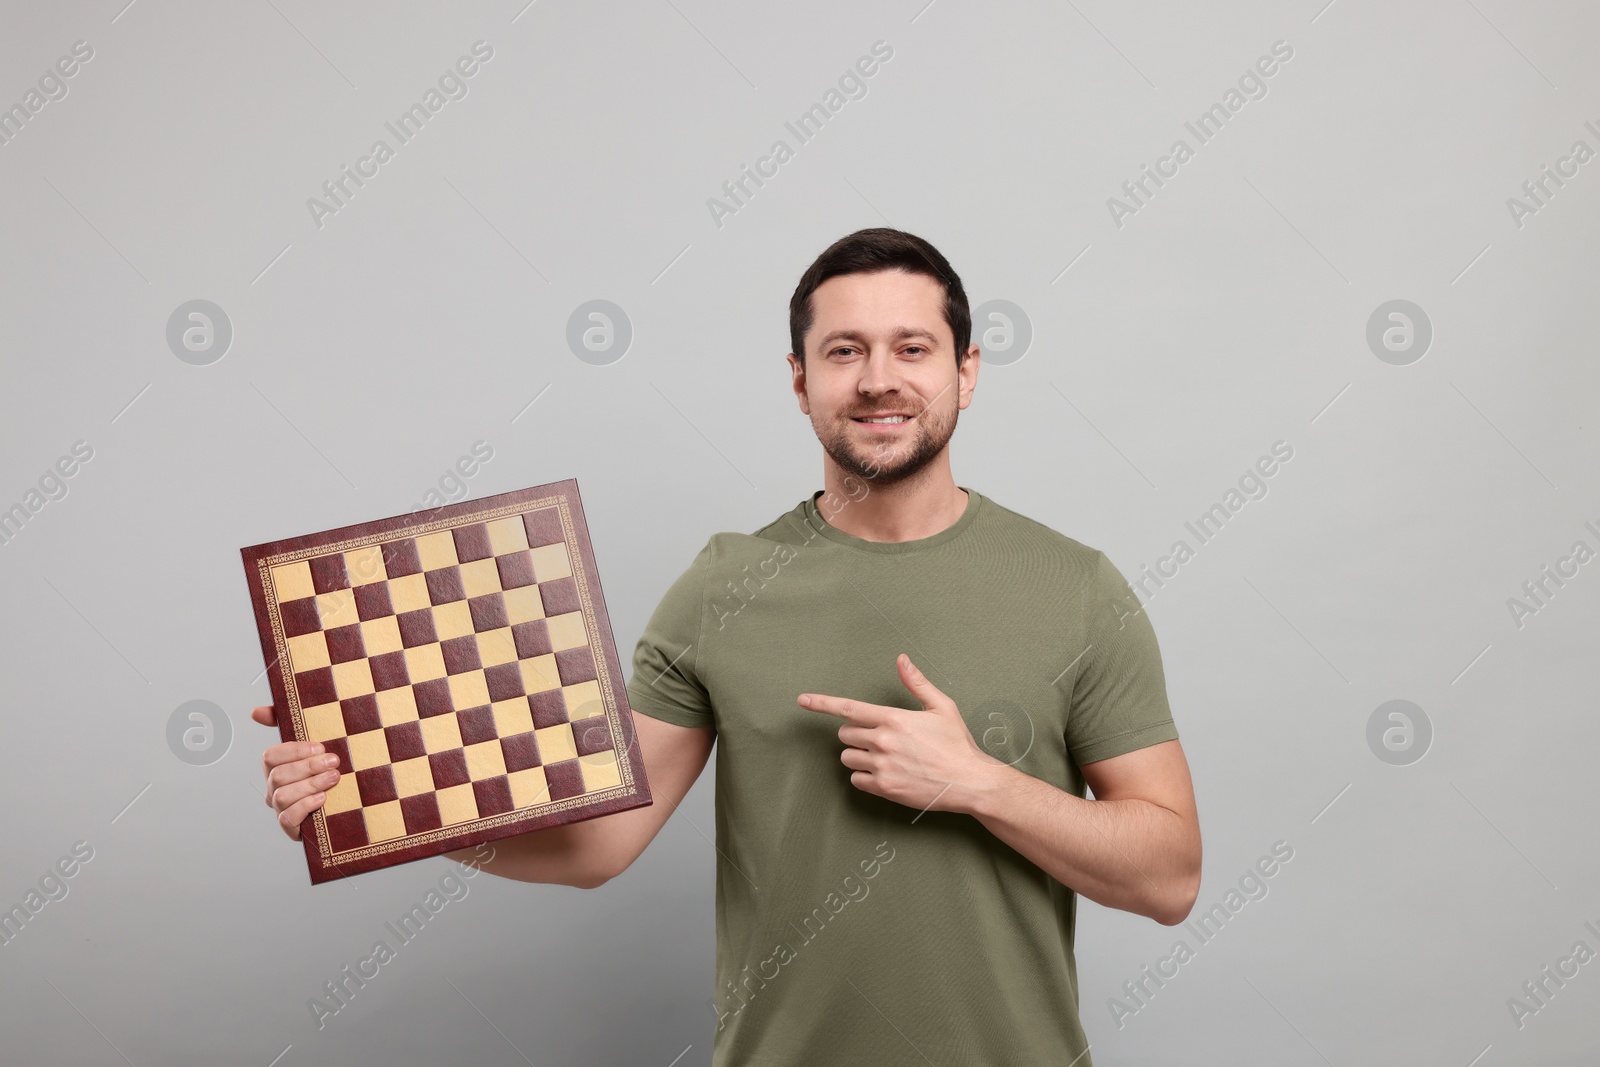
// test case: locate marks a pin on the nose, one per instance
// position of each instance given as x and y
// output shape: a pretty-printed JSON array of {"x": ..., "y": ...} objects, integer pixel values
[{"x": 879, "y": 373}]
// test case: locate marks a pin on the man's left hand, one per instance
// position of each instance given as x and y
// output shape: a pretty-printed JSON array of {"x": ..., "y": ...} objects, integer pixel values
[{"x": 923, "y": 759}]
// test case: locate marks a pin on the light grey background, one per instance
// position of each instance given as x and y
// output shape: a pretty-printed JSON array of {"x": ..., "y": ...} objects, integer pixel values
[{"x": 1168, "y": 353}]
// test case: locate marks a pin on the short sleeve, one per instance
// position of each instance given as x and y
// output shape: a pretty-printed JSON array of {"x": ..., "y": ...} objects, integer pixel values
[
  {"x": 1119, "y": 695},
  {"x": 664, "y": 683}
]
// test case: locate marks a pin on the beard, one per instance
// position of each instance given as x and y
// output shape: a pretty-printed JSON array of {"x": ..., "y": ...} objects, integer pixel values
[{"x": 890, "y": 462}]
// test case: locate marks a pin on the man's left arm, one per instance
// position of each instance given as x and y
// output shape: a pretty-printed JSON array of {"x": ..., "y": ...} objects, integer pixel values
[{"x": 1135, "y": 846}]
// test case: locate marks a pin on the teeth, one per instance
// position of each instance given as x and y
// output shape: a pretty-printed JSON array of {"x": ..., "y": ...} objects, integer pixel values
[{"x": 891, "y": 418}]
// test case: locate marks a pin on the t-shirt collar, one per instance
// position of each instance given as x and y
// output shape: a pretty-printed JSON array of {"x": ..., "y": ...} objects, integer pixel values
[{"x": 814, "y": 518}]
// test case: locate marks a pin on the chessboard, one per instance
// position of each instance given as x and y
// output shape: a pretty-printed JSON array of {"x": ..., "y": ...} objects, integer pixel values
[{"x": 460, "y": 663}]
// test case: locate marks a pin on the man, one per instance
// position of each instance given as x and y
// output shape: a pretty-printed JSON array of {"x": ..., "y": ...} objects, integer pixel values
[{"x": 910, "y": 686}]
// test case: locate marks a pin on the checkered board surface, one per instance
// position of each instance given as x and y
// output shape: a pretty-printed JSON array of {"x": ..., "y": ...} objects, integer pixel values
[{"x": 462, "y": 671}]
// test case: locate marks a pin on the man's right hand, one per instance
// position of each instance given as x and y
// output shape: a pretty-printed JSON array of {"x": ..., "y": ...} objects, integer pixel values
[{"x": 298, "y": 773}]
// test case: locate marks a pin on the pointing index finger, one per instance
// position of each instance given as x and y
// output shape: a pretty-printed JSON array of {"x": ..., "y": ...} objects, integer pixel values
[{"x": 856, "y": 711}]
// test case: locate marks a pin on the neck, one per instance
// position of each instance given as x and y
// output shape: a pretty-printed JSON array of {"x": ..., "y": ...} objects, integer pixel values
[{"x": 909, "y": 510}]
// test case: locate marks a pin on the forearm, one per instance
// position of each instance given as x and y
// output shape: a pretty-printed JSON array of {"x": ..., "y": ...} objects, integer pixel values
[
  {"x": 556, "y": 855},
  {"x": 1127, "y": 854}
]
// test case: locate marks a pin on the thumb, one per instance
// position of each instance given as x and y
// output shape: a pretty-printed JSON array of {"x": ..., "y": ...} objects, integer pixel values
[{"x": 924, "y": 690}]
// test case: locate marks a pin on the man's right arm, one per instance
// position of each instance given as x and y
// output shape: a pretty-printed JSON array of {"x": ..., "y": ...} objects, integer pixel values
[
  {"x": 583, "y": 854},
  {"x": 587, "y": 854}
]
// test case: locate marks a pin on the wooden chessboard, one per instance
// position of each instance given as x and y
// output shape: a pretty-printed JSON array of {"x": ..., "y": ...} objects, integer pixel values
[{"x": 461, "y": 664}]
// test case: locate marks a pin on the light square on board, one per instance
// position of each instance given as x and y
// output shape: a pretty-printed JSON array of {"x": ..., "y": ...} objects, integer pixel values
[
  {"x": 567, "y": 631},
  {"x": 600, "y": 771},
  {"x": 539, "y": 674},
  {"x": 384, "y": 821},
  {"x": 528, "y": 787},
  {"x": 412, "y": 777},
  {"x": 512, "y": 717},
  {"x": 293, "y": 581},
  {"x": 507, "y": 535},
  {"x": 337, "y": 607},
  {"x": 368, "y": 750},
  {"x": 479, "y": 577},
  {"x": 551, "y": 562},
  {"x": 437, "y": 550},
  {"x": 441, "y": 733},
  {"x": 555, "y": 743},
  {"x": 584, "y": 700},
  {"x": 457, "y": 804},
  {"x": 381, "y": 635},
  {"x": 344, "y": 796},
  {"x": 323, "y": 722},
  {"x": 452, "y": 620},
  {"x": 396, "y": 706},
  {"x": 469, "y": 690},
  {"x": 524, "y": 604},
  {"x": 424, "y": 662},
  {"x": 365, "y": 565},
  {"x": 353, "y": 679},
  {"x": 308, "y": 651},
  {"x": 409, "y": 593},
  {"x": 485, "y": 760},
  {"x": 496, "y": 647}
]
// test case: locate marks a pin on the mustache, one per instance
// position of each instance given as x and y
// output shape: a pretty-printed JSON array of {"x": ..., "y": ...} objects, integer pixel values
[{"x": 920, "y": 410}]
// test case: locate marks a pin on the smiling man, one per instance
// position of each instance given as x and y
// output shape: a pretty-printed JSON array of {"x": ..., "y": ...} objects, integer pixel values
[
  {"x": 917, "y": 687},
  {"x": 911, "y": 689}
]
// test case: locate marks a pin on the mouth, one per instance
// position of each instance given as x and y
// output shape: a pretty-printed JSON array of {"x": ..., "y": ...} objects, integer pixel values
[{"x": 889, "y": 419}]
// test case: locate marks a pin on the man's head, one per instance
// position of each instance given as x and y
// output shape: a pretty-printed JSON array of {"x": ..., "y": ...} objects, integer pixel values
[{"x": 880, "y": 325}]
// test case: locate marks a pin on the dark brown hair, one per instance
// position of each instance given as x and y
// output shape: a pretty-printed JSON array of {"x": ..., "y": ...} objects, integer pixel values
[{"x": 876, "y": 249}]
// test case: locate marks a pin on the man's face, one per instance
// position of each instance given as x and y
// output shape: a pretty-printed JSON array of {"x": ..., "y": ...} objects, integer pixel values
[{"x": 879, "y": 346}]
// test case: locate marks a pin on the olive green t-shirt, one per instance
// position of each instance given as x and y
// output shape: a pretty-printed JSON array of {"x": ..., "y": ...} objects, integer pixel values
[{"x": 852, "y": 929}]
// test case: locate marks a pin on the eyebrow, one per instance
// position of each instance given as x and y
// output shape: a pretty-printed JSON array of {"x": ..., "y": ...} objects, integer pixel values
[{"x": 900, "y": 334}]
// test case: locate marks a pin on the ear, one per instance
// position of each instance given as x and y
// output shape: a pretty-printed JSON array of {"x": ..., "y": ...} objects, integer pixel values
[
  {"x": 797, "y": 371},
  {"x": 967, "y": 376}
]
